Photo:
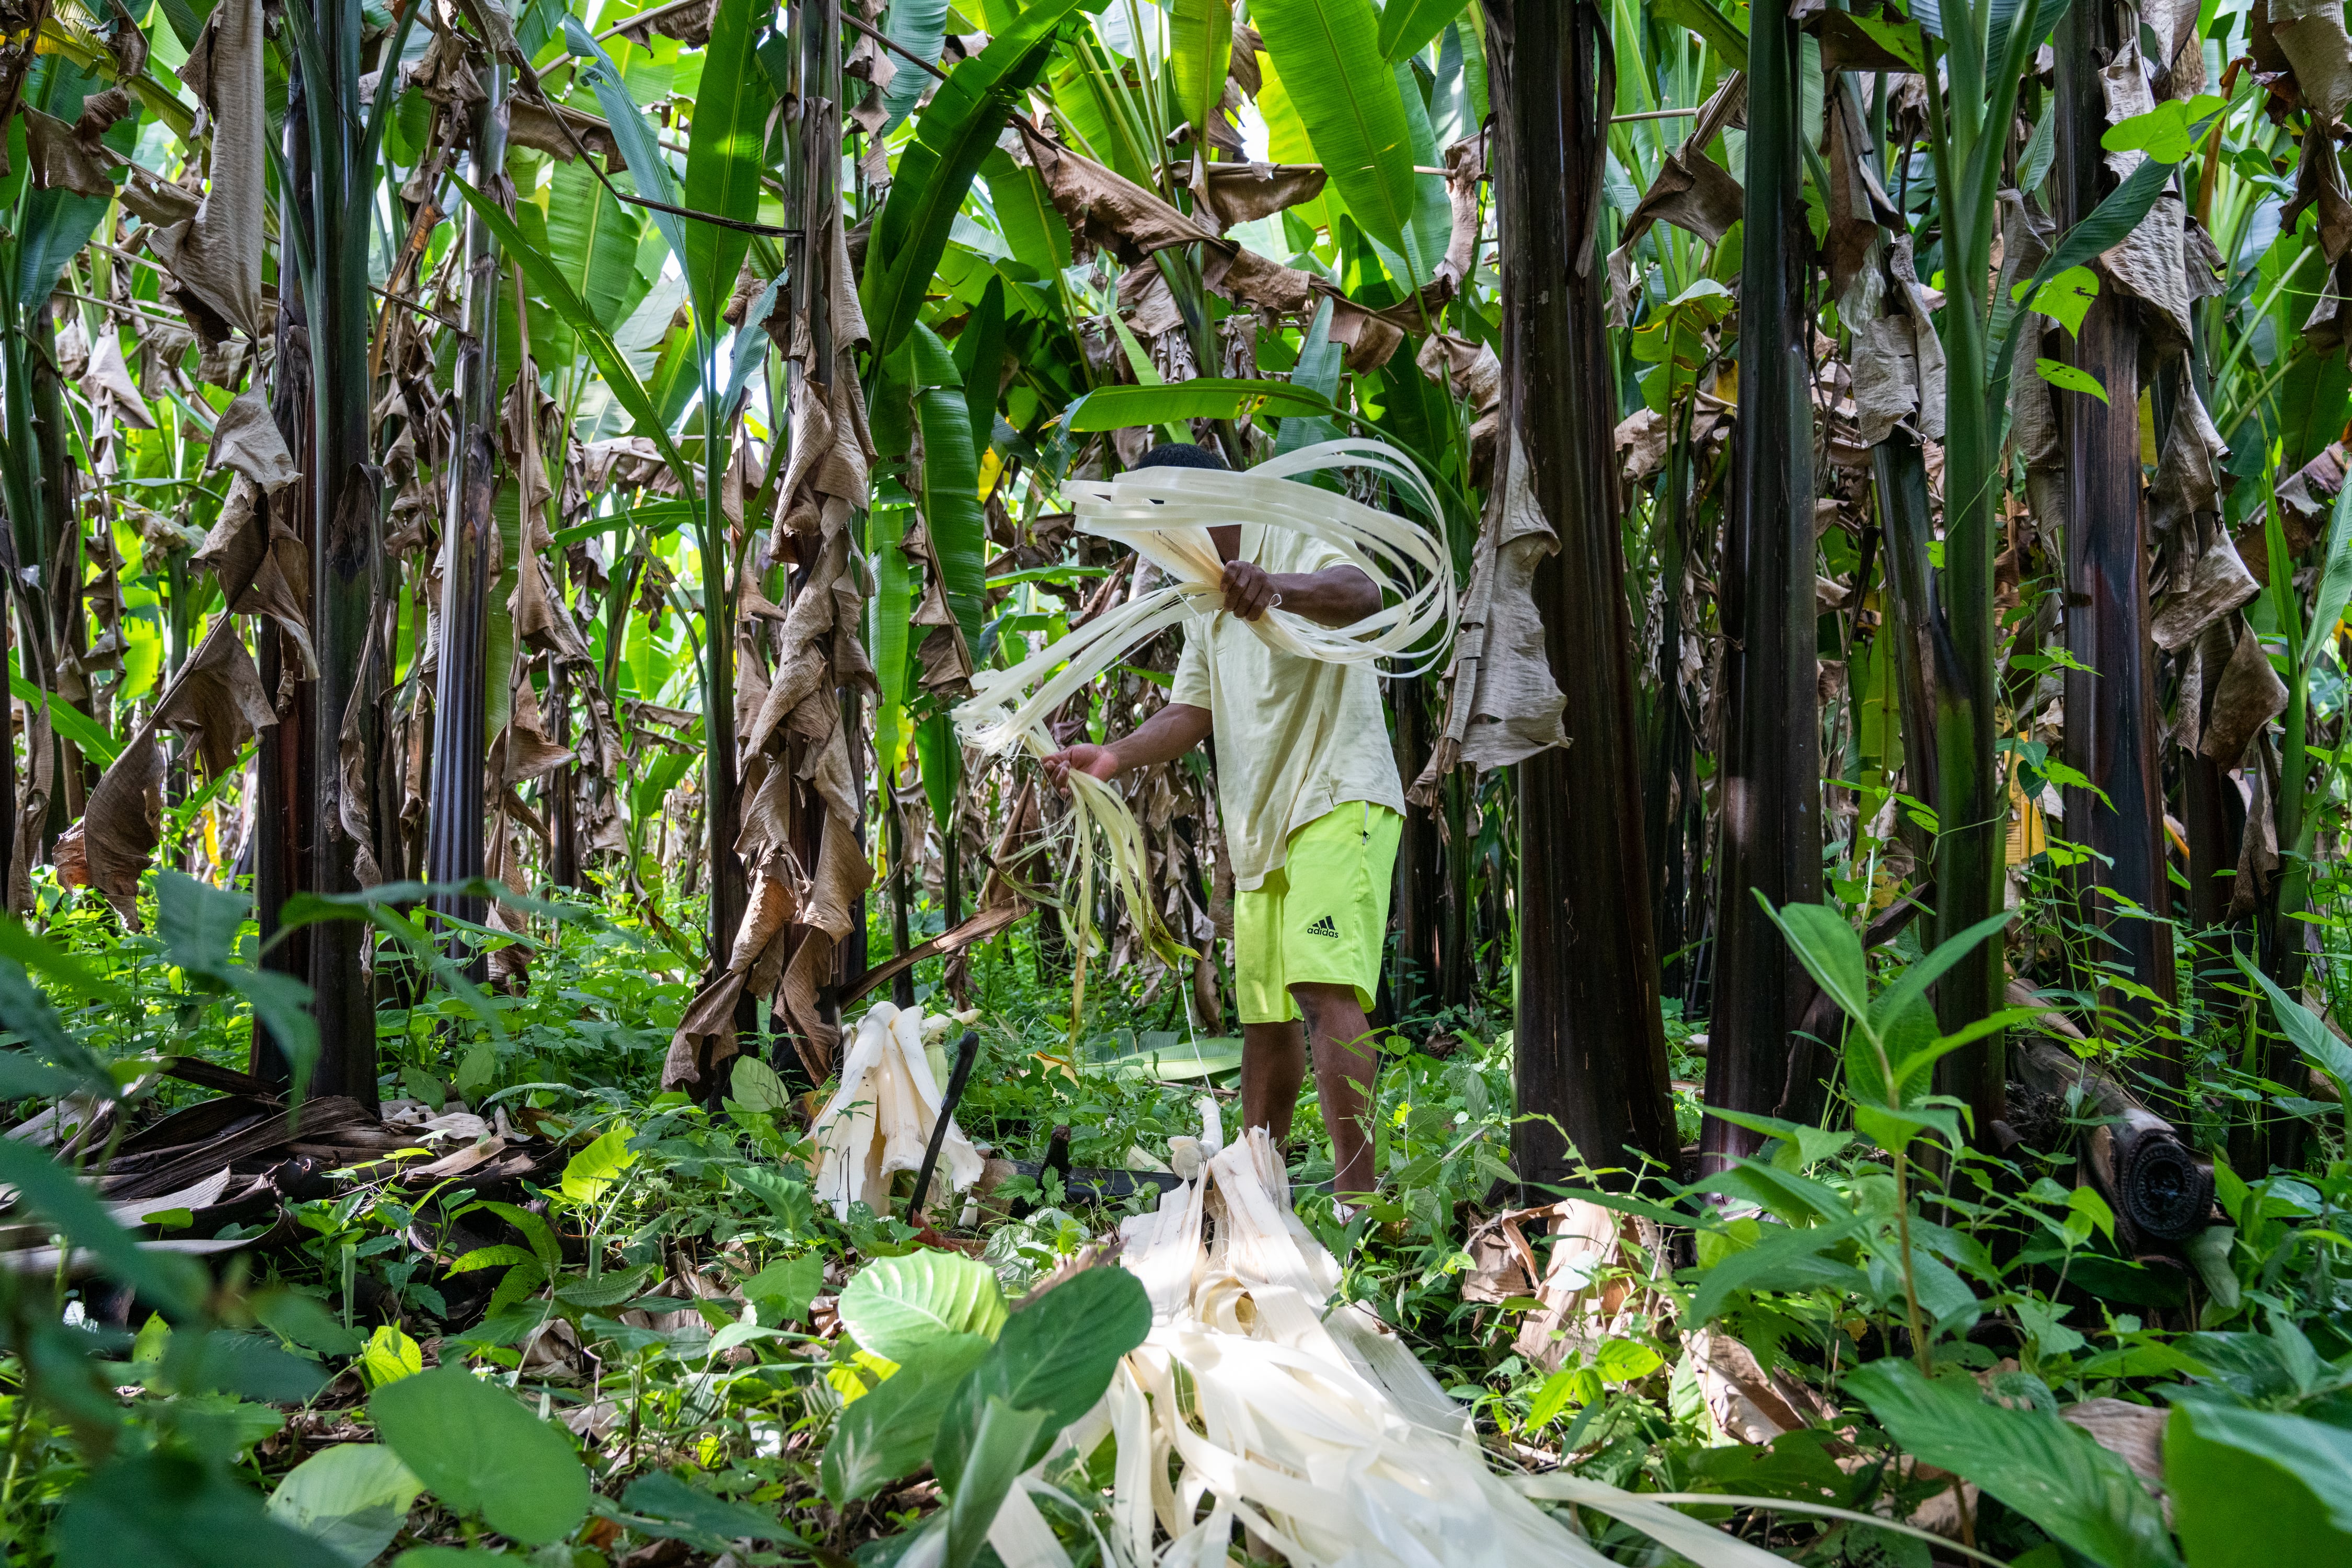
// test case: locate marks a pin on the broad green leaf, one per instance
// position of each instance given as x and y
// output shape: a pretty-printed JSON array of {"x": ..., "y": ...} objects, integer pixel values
[
  {"x": 352, "y": 1497},
  {"x": 1430, "y": 226},
  {"x": 1701, "y": 17},
  {"x": 942, "y": 759},
  {"x": 979, "y": 365},
  {"x": 162, "y": 1510},
  {"x": 952, "y": 138},
  {"x": 1200, "y": 54},
  {"x": 887, "y": 1435},
  {"x": 1408, "y": 25},
  {"x": 919, "y": 27},
  {"x": 1205, "y": 397},
  {"x": 2164, "y": 133},
  {"x": 2065, "y": 297},
  {"x": 1001, "y": 1434},
  {"x": 649, "y": 170},
  {"x": 2077, "y": 1492},
  {"x": 1288, "y": 143},
  {"x": 390, "y": 1356},
  {"x": 1831, "y": 952},
  {"x": 1317, "y": 372},
  {"x": 590, "y": 1174},
  {"x": 1329, "y": 58},
  {"x": 756, "y": 1087},
  {"x": 2070, "y": 378},
  {"x": 788, "y": 1288},
  {"x": 697, "y": 1513},
  {"x": 2310, "y": 1034},
  {"x": 592, "y": 237},
  {"x": 896, "y": 1306},
  {"x": 1788, "y": 1259},
  {"x": 482, "y": 1453},
  {"x": 1032, "y": 226},
  {"x": 1055, "y": 1355},
  {"x": 68, "y": 721},
  {"x": 951, "y": 492},
  {"x": 198, "y": 922},
  {"x": 723, "y": 162},
  {"x": 2255, "y": 1488},
  {"x": 535, "y": 1230}
]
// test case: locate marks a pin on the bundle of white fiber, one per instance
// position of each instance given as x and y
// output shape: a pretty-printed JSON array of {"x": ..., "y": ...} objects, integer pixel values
[
  {"x": 1164, "y": 514},
  {"x": 1255, "y": 1402},
  {"x": 879, "y": 1121}
]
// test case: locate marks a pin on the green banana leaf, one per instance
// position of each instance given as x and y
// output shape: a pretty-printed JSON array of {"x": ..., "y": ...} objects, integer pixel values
[
  {"x": 724, "y": 161},
  {"x": 952, "y": 138},
  {"x": 1207, "y": 397},
  {"x": 1199, "y": 53},
  {"x": 1328, "y": 53}
]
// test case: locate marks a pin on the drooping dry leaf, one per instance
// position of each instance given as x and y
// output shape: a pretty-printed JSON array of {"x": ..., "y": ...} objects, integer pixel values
[
  {"x": 1692, "y": 192},
  {"x": 2311, "y": 34},
  {"x": 2249, "y": 695},
  {"x": 2217, "y": 583},
  {"x": 246, "y": 438},
  {"x": 1239, "y": 193},
  {"x": 1504, "y": 704},
  {"x": 215, "y": 257},
  {"x": 107, "y": 378}
]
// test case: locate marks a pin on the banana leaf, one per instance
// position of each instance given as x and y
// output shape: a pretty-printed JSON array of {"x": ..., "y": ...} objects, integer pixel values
[{"x": 952, "y": 138}]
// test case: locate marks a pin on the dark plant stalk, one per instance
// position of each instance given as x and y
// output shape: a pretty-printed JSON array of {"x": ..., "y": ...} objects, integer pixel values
[
  {"x": 2112, "y": 717},
  {"x": 1771, "y": 834},
  {"x": 283, "y": 832},
  {"x": 345, "y": 523},
  {"x": 1591, "y": 1058},
  {"x": 453, "y": 846}
]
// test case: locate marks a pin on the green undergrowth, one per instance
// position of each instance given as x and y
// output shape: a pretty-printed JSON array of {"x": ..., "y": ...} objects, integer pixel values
[{"x": 648, "y": 1344}]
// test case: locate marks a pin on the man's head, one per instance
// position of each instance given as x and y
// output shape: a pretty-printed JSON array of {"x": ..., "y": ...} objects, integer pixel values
[
  {"x": 1180, "y": 455},
  {"x": 1190, "y": 454}
]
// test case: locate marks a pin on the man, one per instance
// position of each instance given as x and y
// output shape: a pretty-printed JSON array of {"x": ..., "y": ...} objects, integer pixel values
[{"x": 1312, "y": 806}]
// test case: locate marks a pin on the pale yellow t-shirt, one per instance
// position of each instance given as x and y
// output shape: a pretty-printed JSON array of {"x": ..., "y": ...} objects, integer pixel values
[{"x": 1294, "y": 737}]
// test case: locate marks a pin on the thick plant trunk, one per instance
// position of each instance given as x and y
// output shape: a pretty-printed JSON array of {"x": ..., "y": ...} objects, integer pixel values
[
  {"x": 1669, "y": 783},
  {"x": 282, "y": 828},
  {"x": 453, "y": 844},
  {"x": 1770, "y": 841},
  {"x": 1591, "y": 1058},
  {"x": 344, "y": 525},
  {"x": 2112, "y": 717}
]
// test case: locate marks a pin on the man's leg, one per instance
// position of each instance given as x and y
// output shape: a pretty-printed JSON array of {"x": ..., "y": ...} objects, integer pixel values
[
  {"x": 1274, "y": 1065},
  {"x": 1345, "y": 1062}
]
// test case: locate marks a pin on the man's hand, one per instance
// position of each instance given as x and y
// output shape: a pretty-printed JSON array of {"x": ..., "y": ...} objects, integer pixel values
[
  {"x": 1249, "y": 589},
  {"x": 1096, "y": 761}
]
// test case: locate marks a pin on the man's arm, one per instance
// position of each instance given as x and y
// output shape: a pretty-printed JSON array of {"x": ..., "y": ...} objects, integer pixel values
[
  {"x": 1336, "y": 597},
  {"x": 1165, "y": 736}
]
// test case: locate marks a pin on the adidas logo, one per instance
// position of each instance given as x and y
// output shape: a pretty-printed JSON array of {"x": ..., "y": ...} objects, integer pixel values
[{"x": 1324, "y": 928}]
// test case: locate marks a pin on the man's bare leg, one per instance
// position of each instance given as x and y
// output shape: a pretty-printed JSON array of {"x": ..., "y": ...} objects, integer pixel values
[
  {"x": 1344, "y": 1063},
  {"x": 1274, "y": 1066}
]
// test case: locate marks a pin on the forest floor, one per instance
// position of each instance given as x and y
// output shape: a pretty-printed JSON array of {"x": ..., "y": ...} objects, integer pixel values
[{"x": 656, "y": 1277}]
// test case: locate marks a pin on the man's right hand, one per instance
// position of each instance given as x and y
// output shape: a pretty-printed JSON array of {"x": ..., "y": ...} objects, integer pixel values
[{"x": 1096, "y": 762}]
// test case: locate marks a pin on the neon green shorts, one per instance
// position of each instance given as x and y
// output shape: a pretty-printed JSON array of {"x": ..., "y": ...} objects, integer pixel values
[{"x": 1321, "y": 916}]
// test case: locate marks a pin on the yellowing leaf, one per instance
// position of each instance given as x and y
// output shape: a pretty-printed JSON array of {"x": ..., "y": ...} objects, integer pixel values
[{"x": 591, "y": 1172}]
